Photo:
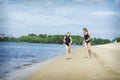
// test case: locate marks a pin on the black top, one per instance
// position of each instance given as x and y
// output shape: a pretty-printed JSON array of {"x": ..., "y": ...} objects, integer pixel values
[
  {"x": 87, "y": 36},
  {"x": 67, "y": 39}
]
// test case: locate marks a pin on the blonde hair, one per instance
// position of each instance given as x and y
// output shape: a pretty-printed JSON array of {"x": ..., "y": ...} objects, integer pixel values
[{"x": 85, "y": 29}]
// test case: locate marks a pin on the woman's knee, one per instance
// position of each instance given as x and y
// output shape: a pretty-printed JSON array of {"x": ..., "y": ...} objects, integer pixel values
[{"x": 66, "y": 47}]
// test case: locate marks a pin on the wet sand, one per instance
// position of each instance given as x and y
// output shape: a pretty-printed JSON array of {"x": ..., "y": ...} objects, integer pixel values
[{"x": 103, "y": 65}]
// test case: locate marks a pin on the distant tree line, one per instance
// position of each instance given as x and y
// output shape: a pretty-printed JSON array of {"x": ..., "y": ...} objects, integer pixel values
[
  {"x": 8, "y": 39},
  {"x": 117, "y": 39},
  {"x": 56, "y": 39}
]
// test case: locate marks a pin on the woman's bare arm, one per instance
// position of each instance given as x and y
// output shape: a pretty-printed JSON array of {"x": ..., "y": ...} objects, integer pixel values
[
  {"x": 70, "y": 40},
  {"x": 64, "y": 39},
  {"x": 89, "y": 37}
]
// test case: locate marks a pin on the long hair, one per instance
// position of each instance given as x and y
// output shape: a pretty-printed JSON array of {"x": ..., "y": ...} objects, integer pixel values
[
  {"x": 68, "y": 33},
  {"x": 85, "y": 29}
]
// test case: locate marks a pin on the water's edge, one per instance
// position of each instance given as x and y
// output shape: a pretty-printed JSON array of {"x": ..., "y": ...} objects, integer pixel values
[
  {"x": 19, "y": 74},
  {"x": 28, "y": 55}
]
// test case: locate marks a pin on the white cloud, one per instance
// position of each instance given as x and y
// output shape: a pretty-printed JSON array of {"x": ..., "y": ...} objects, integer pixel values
[
  {"x": 24, "y": 16},
  {"x": 63, "y": 11},
  {"x": 40, "y": 3},
  {"x": 0, "y": 17},
  {"x": 117, "y": 2},
  {"x": 108, "y": 14},
  {"x": 99, "y": 2},
  {"x": 41, "y": 16}
]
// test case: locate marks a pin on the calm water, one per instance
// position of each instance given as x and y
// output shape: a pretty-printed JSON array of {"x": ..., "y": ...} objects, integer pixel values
[{"x": 17, "y": 55}]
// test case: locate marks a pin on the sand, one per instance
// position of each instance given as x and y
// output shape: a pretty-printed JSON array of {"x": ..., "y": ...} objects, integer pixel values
[
  {"x": 104, "y": 65},
  {"x": 110, "y": 46}
]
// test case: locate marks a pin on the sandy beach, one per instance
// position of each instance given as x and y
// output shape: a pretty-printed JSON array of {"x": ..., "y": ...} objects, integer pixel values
[{"x": 104, "y": 65}]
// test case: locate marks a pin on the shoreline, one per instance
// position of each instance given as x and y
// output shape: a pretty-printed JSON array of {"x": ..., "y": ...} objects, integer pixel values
[
  {"x": 42, "y": 71},
  {"x": 26, "y": 70},
  {"x": 28, "y": 67}
]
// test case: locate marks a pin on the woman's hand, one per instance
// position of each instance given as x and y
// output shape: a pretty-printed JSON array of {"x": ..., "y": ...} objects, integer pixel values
[
  {"x": 69, "y": 44},
  {"x": 86, "y": 40},
  {"x": 64, "y": 41}
]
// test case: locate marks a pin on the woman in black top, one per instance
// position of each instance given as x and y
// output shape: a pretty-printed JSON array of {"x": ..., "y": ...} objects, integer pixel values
[
  {"x": 68, "y": 41},
  {"x": 86, "y": 41}
]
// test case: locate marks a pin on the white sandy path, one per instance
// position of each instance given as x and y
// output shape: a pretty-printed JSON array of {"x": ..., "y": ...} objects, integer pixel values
[{"x": 104, "y": 65}]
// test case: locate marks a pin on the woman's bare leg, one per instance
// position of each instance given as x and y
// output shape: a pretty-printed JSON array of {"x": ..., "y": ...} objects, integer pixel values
[
  {"x": 67, "y": 50},
  {"x": 86, "y": 48},
  {"x": 89, "y": 49}
]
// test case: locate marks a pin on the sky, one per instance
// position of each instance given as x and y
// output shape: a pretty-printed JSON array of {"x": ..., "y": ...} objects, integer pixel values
[{"x": 22, "y": 17}]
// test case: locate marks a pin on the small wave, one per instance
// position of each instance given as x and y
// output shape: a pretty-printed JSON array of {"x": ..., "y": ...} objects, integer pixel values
[{"x": 26, "y": 64}]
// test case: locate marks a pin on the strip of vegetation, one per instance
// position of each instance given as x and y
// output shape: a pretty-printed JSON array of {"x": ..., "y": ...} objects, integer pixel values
[{"x": 56, "y": 39}]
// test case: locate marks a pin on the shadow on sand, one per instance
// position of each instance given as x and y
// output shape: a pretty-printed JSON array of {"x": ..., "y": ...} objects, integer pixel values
[{"x": 69, "y": 58}]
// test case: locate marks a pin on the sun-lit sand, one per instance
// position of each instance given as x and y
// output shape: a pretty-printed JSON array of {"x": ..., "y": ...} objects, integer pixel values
[
  {"x": 104, "y": 65},
  {"x": 111, "y": 46}
]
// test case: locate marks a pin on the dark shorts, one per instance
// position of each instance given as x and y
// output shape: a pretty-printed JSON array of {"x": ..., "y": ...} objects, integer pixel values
[
  {"x": 87, "y": 41},
  {"x": 67, "y": 44}
]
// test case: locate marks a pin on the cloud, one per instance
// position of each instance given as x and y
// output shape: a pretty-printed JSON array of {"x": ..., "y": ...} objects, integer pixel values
[
  {"x": 40, "y": 3},
  {"x": 24, "y": 16},
  {"x": 58, "y": 16},
  {"x": 117, "y": 2},
  {"x": 1, "y": 1},
  {"x": 98, "y": 2},
  {"x": 44, "y": 3},
  {"x": 0, "y": 17},
  {"x": 104, "y": 14}
]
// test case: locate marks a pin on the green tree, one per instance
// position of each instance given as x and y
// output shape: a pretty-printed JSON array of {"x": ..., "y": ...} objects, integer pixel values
[
  {"x": 57, "y": 39},
  {"x": 117, "y": 39}
]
